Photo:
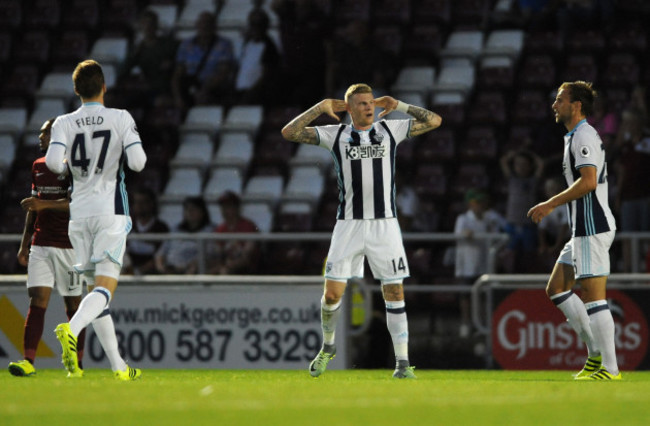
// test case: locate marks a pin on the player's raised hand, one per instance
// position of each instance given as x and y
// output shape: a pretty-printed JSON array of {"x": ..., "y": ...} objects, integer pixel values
[
  {"x": 332, "y": 106},
  {"x": 388, "y": 103},
  {"x": 31, "y": 203}
]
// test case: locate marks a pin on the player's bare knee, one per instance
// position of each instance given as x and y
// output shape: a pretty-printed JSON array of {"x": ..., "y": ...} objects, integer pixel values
[
  {"x": 393, "y": 292},
  {"x": 332, "y": 296}
]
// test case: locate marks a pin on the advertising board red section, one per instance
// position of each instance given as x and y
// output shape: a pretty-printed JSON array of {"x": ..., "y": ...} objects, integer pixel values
[{"x": 530, "y": 333}]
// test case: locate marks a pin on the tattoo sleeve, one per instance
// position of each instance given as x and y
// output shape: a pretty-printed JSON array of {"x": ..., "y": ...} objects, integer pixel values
[
  {"x": 297, "y": 130},
  {"x": 425, "y": 120}
]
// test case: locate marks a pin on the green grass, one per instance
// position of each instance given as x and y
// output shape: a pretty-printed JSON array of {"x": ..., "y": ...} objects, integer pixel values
[{"x": 353, "y": 397}]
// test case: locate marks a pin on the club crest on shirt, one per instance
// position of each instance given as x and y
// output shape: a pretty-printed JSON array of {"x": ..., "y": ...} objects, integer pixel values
[{"x": 584, "y": 151}]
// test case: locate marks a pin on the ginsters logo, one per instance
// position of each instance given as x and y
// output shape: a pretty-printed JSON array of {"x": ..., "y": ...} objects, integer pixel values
[{"x": 530, "y": 333}]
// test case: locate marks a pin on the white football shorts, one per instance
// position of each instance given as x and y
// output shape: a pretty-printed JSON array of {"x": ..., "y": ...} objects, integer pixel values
[
  {"x": 589, "y": 256},
  {"x": 50, "y": 266},
  {"x": 99, "y": 243},
  {"x": 380, "y": 240}
]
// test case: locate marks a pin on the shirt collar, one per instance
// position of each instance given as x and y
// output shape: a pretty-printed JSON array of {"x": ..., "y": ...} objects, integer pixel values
[{"x": 584, "y": 120}]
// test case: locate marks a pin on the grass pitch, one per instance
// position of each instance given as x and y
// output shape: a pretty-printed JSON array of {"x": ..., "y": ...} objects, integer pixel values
[{"x": 353, "y": 397}]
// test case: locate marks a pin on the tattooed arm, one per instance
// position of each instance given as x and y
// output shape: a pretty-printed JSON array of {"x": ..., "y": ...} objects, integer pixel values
[
  {"x": 297, "y": 130},
  {"x": 424, "y": 120}
]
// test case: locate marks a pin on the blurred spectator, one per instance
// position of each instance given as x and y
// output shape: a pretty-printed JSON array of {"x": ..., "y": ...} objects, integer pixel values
[
  {"x": 604, "y": 121},
  {"x": 205, "y": 66},
  {"x": 178, "y": 256},
  {"x": 355, "y": 58},
  {"x": 303, "y": 29},
  {"x": 408, "y": 203},
  {"x": 522, "y": 169},
  {"x": 257, "y": 77},
  {"x": 471, "y": 254},
  {"x": 144, "y": 212},
  {"x": 633, "y": 175},
  {"x": 553, "y": 232},
  {"x": 234, "y": 257},
  {"x": 577, "y": 15},
  {"x": 153, "y": 57}
]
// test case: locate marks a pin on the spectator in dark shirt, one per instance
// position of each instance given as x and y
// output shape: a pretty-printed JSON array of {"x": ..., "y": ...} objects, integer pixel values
[{"x": 144, "y": 211}]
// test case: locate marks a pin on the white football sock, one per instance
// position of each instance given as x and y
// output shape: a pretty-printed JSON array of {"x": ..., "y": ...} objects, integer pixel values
[
  {"x": 90, "y": 307},
  {"x": 602, "y": 326},
  {"x": 329, "y": 315},
  {"x": 105, "y": 330},
  {"x": 576, "y": 314},
  {"x": 398, "y": 328}
]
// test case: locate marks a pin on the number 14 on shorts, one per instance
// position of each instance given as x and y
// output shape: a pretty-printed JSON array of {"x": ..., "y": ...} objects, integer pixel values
[{"x": 398, "y": 265}]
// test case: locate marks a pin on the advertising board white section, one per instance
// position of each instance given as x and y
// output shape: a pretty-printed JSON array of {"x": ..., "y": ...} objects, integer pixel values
[{"x": 239, "y": 326}]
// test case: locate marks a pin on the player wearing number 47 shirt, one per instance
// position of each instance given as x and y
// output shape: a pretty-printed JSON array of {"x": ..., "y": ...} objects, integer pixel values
[
  {"x": 366, "y": 226},
  {"x": 93, "y": 142}
]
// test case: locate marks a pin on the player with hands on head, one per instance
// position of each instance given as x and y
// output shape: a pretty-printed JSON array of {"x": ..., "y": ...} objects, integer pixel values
[
  {"x": 366, "y": 226},
  {"x": 93, "y": 143},
  {"x": 585, "y": 257}
]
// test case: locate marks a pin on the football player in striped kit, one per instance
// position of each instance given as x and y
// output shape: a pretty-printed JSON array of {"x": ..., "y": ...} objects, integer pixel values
[
  {"x": 585, "y": 258},
  {"x": 366, "y": 226}
]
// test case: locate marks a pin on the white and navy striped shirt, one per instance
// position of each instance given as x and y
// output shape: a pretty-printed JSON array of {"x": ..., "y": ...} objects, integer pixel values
[
  {"x": 365, "y": 166},
  {"x": 94, "y": 141},
  {"x": 590, "y": 214}
]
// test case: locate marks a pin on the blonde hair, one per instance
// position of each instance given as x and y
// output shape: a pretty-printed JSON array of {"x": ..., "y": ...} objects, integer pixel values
[{"x": 357, "y": 88}]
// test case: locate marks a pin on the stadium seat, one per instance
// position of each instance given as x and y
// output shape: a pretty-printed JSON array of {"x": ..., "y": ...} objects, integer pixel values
[
  {"x": 423, "y": 43},
  {"x": 195, "y": 150},
  {"x": 183, "y": 182},
  {"x": 191, "y": 11},
  {"x": 436, "y": 146},
  {"x": 450, "y": 106},
  {"x": 537, "y": 72},
  {"x": 21, "y": 82},
  {"x": 629, "y": 38},
  {"x": 57, "y": 85},
  {"x": 110, "y": 50},
  {"x": 464, "y": 44},
  {"x": 496, "y": 72},
  {"x": 470, "y": 13},
  {"x": 591, "y": 41},
  {"x": 8, "y": 149},
  {"x": 390, "y": 12},
  {"x": 545, "y": 42},
  {"x": 272, "y": 150},
  {"x": 262, "y": 188},
  {"x": 204, "y": 119},
  {"x": 81, "y": 15},
  {"x": 621, "y": 70},
  {"x": 294, "y": 217},
  {"x": 11, "y": 15},
  {"x": 260, "y": 213},
  {"x": 33, "y": 48},
  {"x": 530, "y": 106},
  {"x": 70, "y": 49},
  {"x": 151, "y": 177},
  {"x": 488, "y": 108},
  {"x": 214, "y": 210},
  {"x": 431, "y": 181},
  {"x": 223, "y": 179},
  {"x": 306, "y": 183},
  {"x": 43, "y": 14},
  {"x": 310, "y": 155},
  {"x": 432, "y": 11},
  {"x": 45, "y": 109},
  {"x": 171, "y": 213},
  {"x": 243, "y": 118},
  {"x": 167, "y": 14},
  {"x": 235, "y": 150},
  {"x": 581, "y": 67},
  {"x": 470, "y": 176},
  {"x": 13, "y": 120},
  {"x": 504, "y": 43},
  {"x": 415, "y": 79},
  {"x": 480, "y": 144},
  {"x": 458, "y": 79}
]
